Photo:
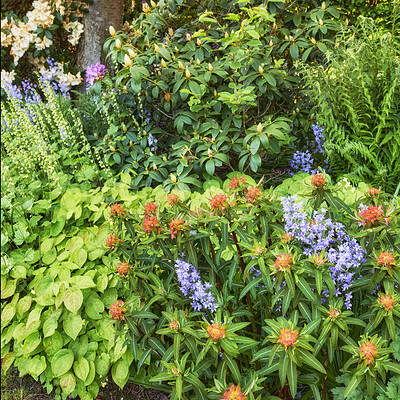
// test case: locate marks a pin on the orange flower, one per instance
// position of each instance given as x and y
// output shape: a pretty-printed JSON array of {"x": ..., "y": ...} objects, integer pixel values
[
  {"x": 216, "y": 332},
  {"x": 288, "y": 337},
  {"x": 368, "y": 350},
  {"x": 112, "y": 241},
  {"x": 234, "y": 183},
  {"x": 117, "y": 210},
  {"x": 333, "y": 313},
  {"x": 258, "y": 250},
  {"x": 387, "y": 260},
  {"x": 386, "y": 302},
  {"x": 373, "y": 192},
  {"x": 319, "y": 260},
  {"x": 175, "y": 226},
  {"x": 253, "y": 194},
  {"x": 218, "y": 202},
  {"x": 173, "y": 199},
  {"x": 283, "y": 262},
  {"x": 234, "y": 393},
  {"x": 173, "y": 325},
  {"x": 117, "y": 310},
  {"x": 287, "y": 237},
  {"x": 318, "y": 181},
  {"x": 123, "y": 269},
  {"x": 150, "y": 223},
  {"x": 371, "y": 214},
  {"x": 150, "y": 208}
]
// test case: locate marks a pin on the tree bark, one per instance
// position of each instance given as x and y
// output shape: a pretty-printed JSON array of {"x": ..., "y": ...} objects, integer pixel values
[{"x": 102, "y": 14}]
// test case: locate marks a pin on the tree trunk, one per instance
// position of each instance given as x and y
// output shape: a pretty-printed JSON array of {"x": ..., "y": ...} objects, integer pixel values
[{"x": 102, "y": 14}]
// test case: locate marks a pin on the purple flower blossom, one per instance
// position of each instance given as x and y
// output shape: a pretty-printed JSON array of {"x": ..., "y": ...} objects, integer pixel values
[
  {"x": 191, "y": 285},
  {"x": 95, "y": 73},
  {"x": 319, "y": 137},
  {"x": 323, "y": 234},
  {"x": 302, "y": 161}
]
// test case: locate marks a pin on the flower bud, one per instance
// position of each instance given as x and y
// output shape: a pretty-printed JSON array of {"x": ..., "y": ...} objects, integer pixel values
[
  {"x": 173, "y": 178},
  {"x": 226, "y": 34},
  {"x": 259, "y": 128},
  {"x": 132, "y": 54},
  {"x": 188, "y": 37},
  {"x": 210, "y": 67},
  {"x": 260, "y": 70},
  {"x": 187, "y": 73},
  {"x": 167, "y": 97},
  {"x": 156, "y": 48},
  {"x": 215, "y": 93},
  {"x": 313, "y": 41},
  {"x": 163, "y": 63},
  {"x": 210, "y": 153},
  {"x": 154, "y": 167},
  {"x": 198, "y": 62},
  {"x": 320, "y": 22},
  {"x": 323, "y": 5},
  {"x": 180, "y": 65},
  {"x": 112, "y": 148},
  {"x": 118, "y": 44},
  {"x": 170, "y": 31},
  {"x": 127, "y": 61},
  {"x": 111, "y": 30},
  {"x": 198, "y": 42},
  {"x": 130, "y": 143},
  {"x": 154, "y": 5},
  {"x": 271, "y": 43}
]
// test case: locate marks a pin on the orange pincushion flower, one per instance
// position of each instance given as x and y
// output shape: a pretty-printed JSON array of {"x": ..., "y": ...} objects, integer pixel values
[
  {"x": 283, "y": 262},
  {"x": 387, "y": 260},
  {"x": 117, "y": 310},
  {"x": 333, "y": 313},
  {"x": 112, "y": 241},
  {"x": 253, "y": 194},
  {"x": 386, "y": 302},
  {"x": 117, "y": 210},
  {"x": 234, "y": 393},
  {"x": 288, "y": 337},
  {"x": 319, "y": 260},
  {"x": 371, "y": 214},
  {"x": 318, "y": 180},
  {"x": 287, "y": 237},
  {"x": 234, "y": 183},
  {"x": 368, "y": 350},
  {"x": 216, "y": 332},
  {"x": 373, "y": 192},
  {"x": 173, "y": 325},
  {"x": 123, "y": 269},
  {"x": 150, "y": 208},
  {"x": 258, "y": 250},
  {"x": 218, "y": 202},
  {"x": 173, "y": 199},
  {"x": 150, "y": 223},
  {"x": 175, "y": 226}
]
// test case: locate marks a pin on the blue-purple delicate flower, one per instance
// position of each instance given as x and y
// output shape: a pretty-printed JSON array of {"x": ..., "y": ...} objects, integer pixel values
[
  {"x": 319, "y": 137},
  {"x": 191, "y": 286},
  {"x": 302, "y": 161},
  {"x": 95, "y": 73}
]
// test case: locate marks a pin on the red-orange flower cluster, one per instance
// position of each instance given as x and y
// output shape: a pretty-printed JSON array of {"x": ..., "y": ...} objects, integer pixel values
[
  {"x": 253, "y": 194},
  {"x": 216, "y": 332},
  {"x": 333, "y": 313},
  {"x": 283, "y": 262},
  {"x": 173, "y": 199},
  {"x": 287, "y": 237},
  {"x": 117, "y": 310},
  {"x": 386, "y": 302},
  {"x": 318, "y": 180},
  {"x": 288, "y": 337},
  {"x": 151, "y": 223},
  {"x": 371, "y": 214},
  {"x": 387, "y": 260},
  {"x": 123, "y": 269},
  {"x": 173, "y": 325},
  {"x": 218, "y": 202},
  {"x": 112, "y": 241},
  {"x": 117, "y": 210},
  {"x": 234, "y": 183},
  {"x": 175, "y": 226},
  {"x": 373, "y": 192},
  {"x": 234, "y": 393},
  {"x": 150, "y": 208},
  {"x": 368, "y": 350}
]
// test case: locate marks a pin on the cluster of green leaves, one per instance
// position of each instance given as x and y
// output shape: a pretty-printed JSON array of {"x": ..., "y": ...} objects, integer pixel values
[
  {"x": 222, "y": 90},
  {"x": 57, "y": 284},
  {"x": 235, "y": 249},
  {"x": 357, "y": 96}
]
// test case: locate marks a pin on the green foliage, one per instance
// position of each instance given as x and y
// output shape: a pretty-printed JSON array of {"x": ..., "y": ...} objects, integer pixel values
[
  {"x": 222, "y": 88},
  {"x": 357, "y": 97}
]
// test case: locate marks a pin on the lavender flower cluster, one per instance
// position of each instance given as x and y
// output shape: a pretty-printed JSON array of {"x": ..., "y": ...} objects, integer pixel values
[
  {"x": 191, "y": 285},
  {"x": 323, "y": 234},
  {"x": 95, "y": 73},
  {"x": 152, "y": 141}
]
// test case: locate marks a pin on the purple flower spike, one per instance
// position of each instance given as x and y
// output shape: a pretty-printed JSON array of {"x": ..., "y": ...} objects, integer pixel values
[{"x": 95, "y": 73}]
